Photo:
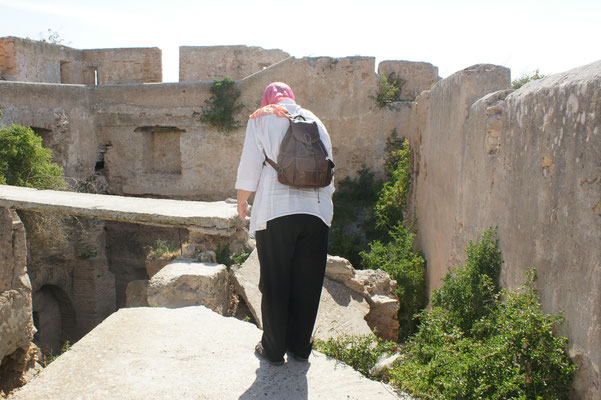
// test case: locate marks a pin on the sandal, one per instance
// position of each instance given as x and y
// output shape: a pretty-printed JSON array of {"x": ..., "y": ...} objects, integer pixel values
[{"x": 261, "y": 352}]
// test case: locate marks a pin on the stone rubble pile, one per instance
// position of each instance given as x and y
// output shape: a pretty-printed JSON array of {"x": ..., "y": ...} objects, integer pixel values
[{"x": 352, "y": 302}]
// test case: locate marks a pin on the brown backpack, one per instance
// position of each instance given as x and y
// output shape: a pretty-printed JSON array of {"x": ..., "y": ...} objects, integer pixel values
[{"x": 303, "y": 160}]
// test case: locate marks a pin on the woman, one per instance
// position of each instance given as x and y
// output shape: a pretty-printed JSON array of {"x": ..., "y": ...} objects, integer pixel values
[{"x": 291, "y": 230}]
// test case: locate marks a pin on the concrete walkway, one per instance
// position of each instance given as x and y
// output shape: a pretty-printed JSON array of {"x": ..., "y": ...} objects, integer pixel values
[
  {"x": 207, "y": 217},
  {"x": 188, "y": 353}
]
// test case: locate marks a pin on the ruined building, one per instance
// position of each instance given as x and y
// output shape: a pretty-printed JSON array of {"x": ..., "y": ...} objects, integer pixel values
[{"x": 526, "y": 161}]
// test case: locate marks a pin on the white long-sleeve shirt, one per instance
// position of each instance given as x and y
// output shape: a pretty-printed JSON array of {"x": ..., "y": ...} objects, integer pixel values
[{"x": 272, "y": 199}]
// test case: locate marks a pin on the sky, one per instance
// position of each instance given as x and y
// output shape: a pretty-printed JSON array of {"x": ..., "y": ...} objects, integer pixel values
[{"x": 552, "y": 36}]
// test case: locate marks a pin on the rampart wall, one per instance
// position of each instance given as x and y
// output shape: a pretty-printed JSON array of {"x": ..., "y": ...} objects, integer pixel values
[
  {"x": 205, "y": 63},
  {"x": 116, "y": 66},
  {"x": 149, "y": 140},
  {"x": 28, "y": 60},
  {"x": 527, "y": 162}
]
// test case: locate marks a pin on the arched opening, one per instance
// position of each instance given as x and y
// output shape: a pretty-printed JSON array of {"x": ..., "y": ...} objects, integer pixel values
[{"x": 53, "y": 317}]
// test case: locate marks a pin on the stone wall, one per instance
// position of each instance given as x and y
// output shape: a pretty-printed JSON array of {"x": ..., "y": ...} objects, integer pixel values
[
  {"x": 417, "y": 76},
  {"x": 205, "y": 63},
  {"x": 16, "y": 324},
  {"x": 34, "y": 61},
  {"x": 116, "y": 66},
  {"x": 148, "y": 140},
  {"x": 73, "y": 289},
  {"x": 127, "y": 246},
  {"x": 146, "y": 123},
  {"x": 527, "y": 162},
  {"x": 61, "y": 114},
  {"x": 29, "y": 60}
]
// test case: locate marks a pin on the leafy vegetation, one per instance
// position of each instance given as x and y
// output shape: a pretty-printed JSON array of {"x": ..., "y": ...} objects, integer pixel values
[
  {"x": 392, "y": 199},
  {"x": 476, "y": 342},
  {"x": 50, "y": 357},
  {"x": 227, "y": 258},
  {"x": 25, "y": 162},
  {"x": 524, "y": 79},
  {"x": 352, "y": 225},
  {"x": 406, "y": 266},
  {"x": 369, "y": 231},
  {"x": 222, "y": 107},
  {"x": 389, "y": 89},
  {"x": 360, "y": 352},
  {"x": 164, "y": 249}
]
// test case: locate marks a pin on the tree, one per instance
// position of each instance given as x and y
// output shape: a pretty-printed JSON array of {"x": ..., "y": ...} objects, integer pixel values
[{"x": 25, "y": 162}]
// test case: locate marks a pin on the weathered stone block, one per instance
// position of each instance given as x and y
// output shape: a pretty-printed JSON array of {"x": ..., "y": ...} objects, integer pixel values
[
  {"x": 339, "y": 269},
  {"x": 136, "y": 294},
  {"x": 182, "y": 284},
  {"x": 154, "y": 265}
]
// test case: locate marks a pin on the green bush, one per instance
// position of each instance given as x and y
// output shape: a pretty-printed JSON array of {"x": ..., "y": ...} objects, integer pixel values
[
  {"x": 470, "y": 291},
  {"x": 25, "y": 162},
  {"x": 352, "y": 225},
  {"x": 389, "y": 89},
  {"x": 164, "y": 249},
  {"x": 222, "y": 107},
  {"x": 524, "y": 79},
  {"x": 359, "y": 352},
  {"x": 407, "y": 267},
  {"x": 479, "y": 343},
  {"x": 226, "y": 257},
  {"x": 392, "y": 198},
  {"x": 504, "y": 350}
]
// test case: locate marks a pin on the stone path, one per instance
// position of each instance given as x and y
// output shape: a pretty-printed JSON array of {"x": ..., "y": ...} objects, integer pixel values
[
  {"x": 207, "y": 217},
  {"x": 188, "y": 353}
]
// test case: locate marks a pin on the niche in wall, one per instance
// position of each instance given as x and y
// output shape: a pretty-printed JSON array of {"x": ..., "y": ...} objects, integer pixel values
[
  {"x": 66, "y": 72},
  {"x": 46, "y": 134},
  {"x": 161, "y": 149}
]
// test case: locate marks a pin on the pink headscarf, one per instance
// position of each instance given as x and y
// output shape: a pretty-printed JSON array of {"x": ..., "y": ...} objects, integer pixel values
[{"x": 276, "y": 92}]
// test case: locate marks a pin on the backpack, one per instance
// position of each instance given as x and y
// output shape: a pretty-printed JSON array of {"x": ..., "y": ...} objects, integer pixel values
[{"x": 303, "y": 160}]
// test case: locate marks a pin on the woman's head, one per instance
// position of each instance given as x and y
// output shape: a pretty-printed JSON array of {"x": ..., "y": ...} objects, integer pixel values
[{"x": 276, "y": 92}]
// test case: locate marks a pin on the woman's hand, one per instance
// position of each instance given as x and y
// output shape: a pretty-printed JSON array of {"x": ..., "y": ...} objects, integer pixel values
[{"x": 243, "y": 196}]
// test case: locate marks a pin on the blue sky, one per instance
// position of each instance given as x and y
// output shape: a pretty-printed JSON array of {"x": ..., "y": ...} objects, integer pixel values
[{"x": 553, "y": 36}]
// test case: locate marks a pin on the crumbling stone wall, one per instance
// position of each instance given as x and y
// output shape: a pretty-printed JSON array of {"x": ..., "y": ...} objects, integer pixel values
[
  {"x": 206, "y": 63},
  {"x": 116, "y": 66},
  {"x": 416, "y": 76},
  {"x": 526, "y": 161},
  {"x": 127, "y": 246},
  {"x": 29, "y": 60},
  {"x": 132, "y": 118},
  {"x": 72, "y": 287},
  {"x": 61, "y": 114},
  {"x": 148, "y": 140},
  {"x": 16, "y": 323}
]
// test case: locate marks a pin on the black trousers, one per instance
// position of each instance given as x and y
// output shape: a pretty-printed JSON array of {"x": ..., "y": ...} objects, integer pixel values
[{"x": 292, "y": 253}]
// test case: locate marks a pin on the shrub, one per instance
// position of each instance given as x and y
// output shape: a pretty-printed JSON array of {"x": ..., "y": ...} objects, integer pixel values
[
  {"x": 352, "y": 225},
  {"x": 226, "y": 257},
  {"x": 389, "y": 89},
  {"x": 164, "y": 249},
  {"x": 393, "y": 196},
  {"x": 222, "y": 106},
  {"x": 473, "y": 344},
  {"x": 470, "y": 291},
  {"x": 507, "y": 352},
  {"x": 524, "y": 79},
  {"x": 359, "y": 352},
  {"x": 25, "y": 162},
  {"x": 407, "y": 267}
]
